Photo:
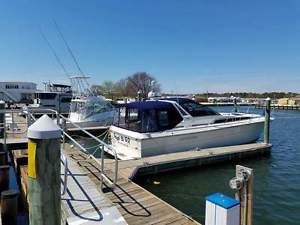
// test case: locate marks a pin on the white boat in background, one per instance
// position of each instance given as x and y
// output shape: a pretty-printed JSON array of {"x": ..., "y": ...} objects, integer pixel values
[
  {"x": 55, "y": 97},
  {"x": 87, "y": 109},
  {"x": 171, "y": 125},
  {"x": 91, "y": 111}
]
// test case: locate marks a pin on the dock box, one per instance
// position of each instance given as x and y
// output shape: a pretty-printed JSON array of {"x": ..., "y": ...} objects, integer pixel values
[{"x": 222, "y": 210}]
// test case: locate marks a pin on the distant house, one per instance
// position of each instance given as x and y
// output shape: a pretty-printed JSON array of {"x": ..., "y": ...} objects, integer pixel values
[
  {"x": 16, "y": 92},
  {"x": 289, "y": 101}
]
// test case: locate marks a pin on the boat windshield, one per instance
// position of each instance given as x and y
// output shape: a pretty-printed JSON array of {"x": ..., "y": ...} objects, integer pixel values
[
  {"x": 193, "y": 108},
  {"x": 97, "y": 105},
  {"x": 196, "y": 109},
  {"x": 144, "y": 119}
]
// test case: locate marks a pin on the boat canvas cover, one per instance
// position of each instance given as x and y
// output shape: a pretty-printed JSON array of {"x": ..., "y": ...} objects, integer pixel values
[{"x": 147, "y": 105}]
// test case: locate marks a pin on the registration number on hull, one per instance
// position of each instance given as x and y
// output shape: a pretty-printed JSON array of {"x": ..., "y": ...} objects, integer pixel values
[{"x": 121, "y": 138}]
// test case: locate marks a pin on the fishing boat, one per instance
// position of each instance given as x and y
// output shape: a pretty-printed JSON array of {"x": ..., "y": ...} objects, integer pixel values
[
  {"x": 155, "y": 127},
  {"x": 91, "y": 111},
  {"x": 87, "y": 109},
  {"x": 55, "y": 97}
]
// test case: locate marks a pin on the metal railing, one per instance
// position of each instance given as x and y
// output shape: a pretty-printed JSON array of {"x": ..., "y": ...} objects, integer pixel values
[{"x": 63, "y": 121}]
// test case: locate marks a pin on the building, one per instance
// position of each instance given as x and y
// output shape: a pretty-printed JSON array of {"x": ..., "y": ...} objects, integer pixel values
[
  {"x": 16, "y": 92},
  {"x": 289, "y": 101}
]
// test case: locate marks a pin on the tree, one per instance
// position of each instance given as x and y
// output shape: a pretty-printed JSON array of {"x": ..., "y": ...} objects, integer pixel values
[
  {"x": 121, "y": 88},
  {"x": 143, "y": 82},
  {"x": 107, "y": 89}
]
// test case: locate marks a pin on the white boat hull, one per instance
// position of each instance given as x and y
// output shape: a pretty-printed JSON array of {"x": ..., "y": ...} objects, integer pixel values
[
  {"x": 131, "y": 144},
  {"x": 104, "y": 119}
]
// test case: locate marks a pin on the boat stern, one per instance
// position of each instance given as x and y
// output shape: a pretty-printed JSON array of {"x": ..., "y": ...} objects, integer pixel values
[{"x": 126, "y": 143}]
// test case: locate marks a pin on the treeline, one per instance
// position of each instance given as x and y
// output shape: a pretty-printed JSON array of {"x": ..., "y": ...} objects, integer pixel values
[
  {"x": 143, "y": 83},
  {"x": 273, "y": 95},
  {"x": 140, "y": 82}
]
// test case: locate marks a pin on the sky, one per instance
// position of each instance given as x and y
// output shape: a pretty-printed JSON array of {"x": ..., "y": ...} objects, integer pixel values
[{"x": 189, "y": 46}]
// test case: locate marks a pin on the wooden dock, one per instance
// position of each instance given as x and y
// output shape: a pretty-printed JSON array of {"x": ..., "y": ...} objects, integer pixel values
[
  {"x": 84, "y": 203},
  {"x": 279, "y": 107},
  {"x": 14, "y": 143},
  {"x": 137, "y": 205},
  {"x": 180, "y": 160},
  {"x": 128, "y": 201}
]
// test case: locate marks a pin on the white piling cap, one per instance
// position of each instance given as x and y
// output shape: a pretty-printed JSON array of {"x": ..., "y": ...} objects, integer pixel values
[
  {"x": 44, "y": 128},
  {"x": 268, "y": 99}
]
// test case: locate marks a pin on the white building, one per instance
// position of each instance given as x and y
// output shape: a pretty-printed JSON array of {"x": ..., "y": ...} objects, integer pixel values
[{"x": 17, "y": 91}]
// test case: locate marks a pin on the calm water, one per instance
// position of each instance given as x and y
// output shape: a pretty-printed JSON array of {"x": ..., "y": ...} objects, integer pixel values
[{"x": 277, "y": 178}]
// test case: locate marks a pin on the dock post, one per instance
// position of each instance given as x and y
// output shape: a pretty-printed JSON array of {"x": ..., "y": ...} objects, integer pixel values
[
  {"x": 267, "y": 121},
  {"x": 44, "y": 172},
  {"x": 2, "y": 118},
  {"x": 235, "y": 105},
  {"x": 3, "y": 158},
  {"x": 4, "y": 177},
  {"x": 9, "y": 207},
  {"x": 242, "y": 183}
]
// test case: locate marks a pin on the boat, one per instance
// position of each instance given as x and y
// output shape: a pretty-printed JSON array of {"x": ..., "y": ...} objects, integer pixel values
[
  {"x": 88, "y": 110},
  {"x": 56, "y": 97},
  {"x": 155, "y": 127},
  {"x": 91, "y": 112}
]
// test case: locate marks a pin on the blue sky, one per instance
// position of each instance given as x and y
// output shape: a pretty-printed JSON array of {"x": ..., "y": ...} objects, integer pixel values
[{"x": 189, "y": 46}]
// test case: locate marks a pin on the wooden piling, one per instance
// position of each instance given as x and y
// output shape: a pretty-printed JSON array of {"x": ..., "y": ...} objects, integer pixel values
[
  {"x": 267, "y": 121},
  {"x": 4, "y": 178},
  {"x": 9, "y": 207},
  {"x": 3, "y": 158},
  {"x": 44, "y": 172},
  {"x": 245, "y": 194},
  {"x": 235, "y": 105}
]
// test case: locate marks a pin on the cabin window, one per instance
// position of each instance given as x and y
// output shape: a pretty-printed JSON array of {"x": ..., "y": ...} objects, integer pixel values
[
  {"x": 196, "y": 109},
  {"x": 163, "y": 119},
  {"x": 148, "y": 121},
  {"x": 12, "y": 86},
  {"x": 132, "y": 115}
]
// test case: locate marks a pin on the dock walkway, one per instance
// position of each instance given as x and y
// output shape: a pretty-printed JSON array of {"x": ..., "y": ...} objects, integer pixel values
[
  {"x": 83, "y": 203},
  {"x": 137, "y": 205},
  {"x": 131, "y": 204},
  {"x": 179, "y": 160}
]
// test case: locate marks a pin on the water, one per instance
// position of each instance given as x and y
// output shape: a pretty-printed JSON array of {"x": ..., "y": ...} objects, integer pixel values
[{"x": 277, "y": 178}]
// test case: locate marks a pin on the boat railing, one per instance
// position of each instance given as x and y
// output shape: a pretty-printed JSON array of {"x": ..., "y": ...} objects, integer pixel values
[{"x": 61, "y": 121}]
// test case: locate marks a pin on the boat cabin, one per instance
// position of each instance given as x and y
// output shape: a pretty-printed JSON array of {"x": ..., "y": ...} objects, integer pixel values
[{"x": 149, "y": 116}]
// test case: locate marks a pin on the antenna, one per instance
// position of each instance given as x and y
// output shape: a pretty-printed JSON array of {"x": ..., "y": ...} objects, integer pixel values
[
  {"x": 54, "y": 52},
  {"x": 80, "y": 81},
  {"x": 68, "y": 48}
]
